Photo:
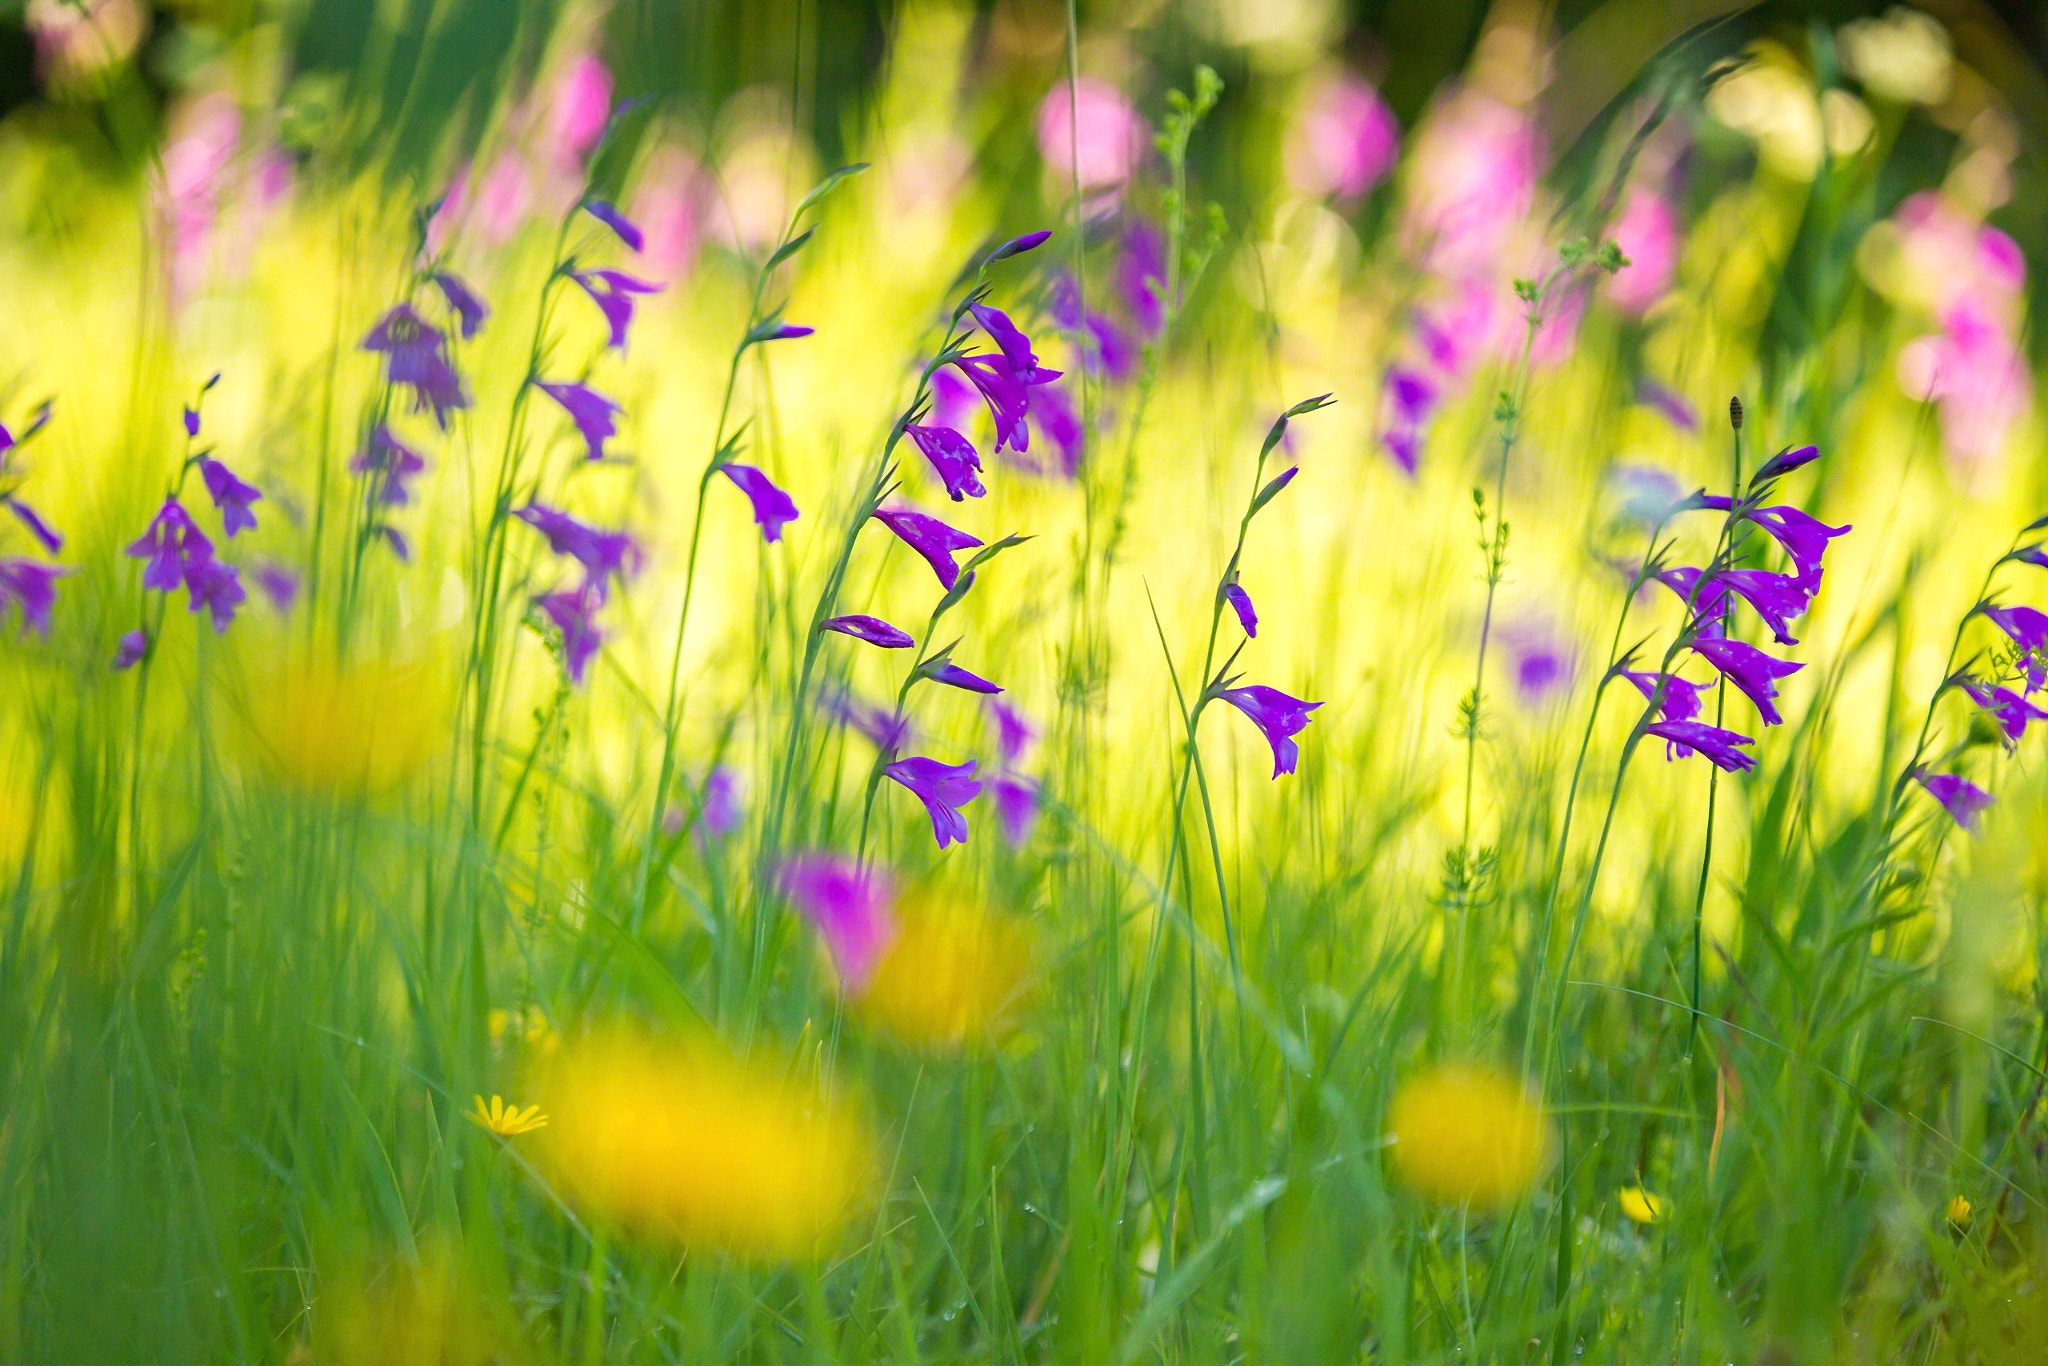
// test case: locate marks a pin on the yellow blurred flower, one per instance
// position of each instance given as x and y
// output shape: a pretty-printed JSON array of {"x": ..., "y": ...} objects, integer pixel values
[
  {"x": 677, "y": 1140},
  {"x": 1645, "y": 1207},
  {"x": 952, "y": 976},
  {"x": 506, "y": 1121},
  {"x": 528, "y": 1026},
  {"x": 352, "y": 729},
  {"x": 1463, "y": 1134},
  {"x": 1958, "y": 1212}
]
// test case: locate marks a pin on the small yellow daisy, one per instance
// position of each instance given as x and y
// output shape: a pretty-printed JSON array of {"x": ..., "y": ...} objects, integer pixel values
[
  {"x": 1643, "y": 1206},
  {"x": 506, "y": 1121},
  {"x": 1959, "y": 1213}
]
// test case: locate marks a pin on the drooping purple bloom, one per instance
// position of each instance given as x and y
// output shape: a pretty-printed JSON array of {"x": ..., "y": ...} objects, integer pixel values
[
  {"x": 1749, "y": 669},
  {"x": 1141, "y": 274},
  {"x": 392, "y": 462},
  {"x": 929, "y": 537},
  {"x": 850, "y": 907},
  {"x": 395, "y": 538},
  {"x": 1964, "y": 799},
  {"x": 171, "y": 545},
  {"x": 1103, "y": 344},
  {"x": 628, "y": 231},
  {"x": 415, "y": 356},
  {"x": 469, "y": 310},
  {"x": 2027, "y": 627},
  {"x": 1007, "y": 393},
  {"x": 1279, "y": 718},
  {"x": 215, "y": 587},
  {"x": 1681, "y": 696},
  {"x": 1684, "y": 738},
  {"x": 2008, "y": 708},
  {"x": 231, "y": 496},
  {"x": 602, "y": 553},
  {"x": 280, "y": 584},
  {"x": 784, "y": 332},
  {"x": 2032, "y": 554},
  {"x": 591, "y": 411},
  {"x": 954, "y": 400},
  {"x": 1014, "y": 732},
  {"x": 944, "y": 789},
  {"x": 953, "y": 456},
  {"x": 574, "y": 613},
  {"x": 129, "y": 652},
  {"x": 954, "y": 676},
  {"x": 885, "y": 730},
  {"x": 37, "y": 527},
  {"x": 1016, "y": 807},
  {"x": 613, "y": 292},
  {"x": 191, "y": 421},
  {"x": 721, "y": 814},
  {"x": 773, "y": 508},
  {"x": 1774, "y": 597},
  {"x": 1241, "y": 602},
  {"x": 1275, "y": 484},
  {"x": 1405, "y": 445},
  {"x": 1412, "y": 394},
  {"x": 1804, "y": 537},
  {"x": 32, "y": 587},
  {"x": 1539, "y": 657},
  {"x": 1670, "y": 403},
  {"x": 873, "y": 630},
  {"x": 1008, "y": 337}
]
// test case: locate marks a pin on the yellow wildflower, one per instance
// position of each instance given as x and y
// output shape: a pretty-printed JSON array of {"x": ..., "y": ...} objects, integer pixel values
[
  {"x": 952, "y": 976},
  {"x": 1959, "y": 1213},
  {"x": 507, "y": 1121},
  {"x": 679, "y": 1141},
  {"x": 1464, "y": 1134},
  {"x": 358, "y": 728},
  {"x": 1645, "y": 1207}
]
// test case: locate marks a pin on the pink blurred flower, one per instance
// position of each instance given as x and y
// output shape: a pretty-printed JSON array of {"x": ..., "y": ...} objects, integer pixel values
[
  {"x": 581, "y": 102},
  {"x": 1979, "y": 378},
  {"x": 197, "y": 152},
  {"x": 670, "y": 207},
  {"x": 1344, "y": 140},
  {"x": 1471, "y": 181},
  {"x": 1646, "y": 230},
  {"x": 1946, "y": 256},
  {"x": 1090, "y": 133},
  {"x": 77, "y": 40},
  {"x": 503, "y": 199}
]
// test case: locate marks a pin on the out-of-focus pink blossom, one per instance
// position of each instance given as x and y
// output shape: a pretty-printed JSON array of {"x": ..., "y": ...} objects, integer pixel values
[
  {"x": 1090, "y": 133},
  {"x": 1344, "y": 140},
  {"x": 581, "y": 103},
  {"x": 76, "y": 42},
  {"x": 670, "y": 206},
  {"x": 1646, "y": 230},
  {"x": 504, "y": 199},
  {"x": 1946, "y": 256},
  {"x": 1470, "y": 182},
  {"x": 925, "y": 170},
  {"x": 1979, "y": 378},
  {"x": 196, "y": 155}
]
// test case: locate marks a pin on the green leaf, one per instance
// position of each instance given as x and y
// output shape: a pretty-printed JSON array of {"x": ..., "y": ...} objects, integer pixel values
[
  {"x": 989, "y": 552},
  {"x": 1273, "y": 487},
  {"x": 825, "y": 187},
  {"x": 789, "y": 248}
]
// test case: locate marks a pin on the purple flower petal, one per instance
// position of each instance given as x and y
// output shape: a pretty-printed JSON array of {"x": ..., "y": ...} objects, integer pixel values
[
  {"x": 1683, "y": 738},
  {"x": 37, "y": 527},
  {"x": 943, "y": 788},
  {"x": 133, "y": 646},
  {"x": 604, "y": 213},
  {"x": 574, "y": 614},
  {"x": 849, "y": 906},
  {"x": 1017, "y": 804},
  {"x": 1278, "y": 716},
  {"x": 32, "y": 588},
  {"x": 386, "y": 457},
  {"x": 1681, "y": 696},
  {"x": 954, "y": 676},
  {"x": 602, "y": 553},
  {"x": 1749, "y": 669},
  {"x": 873, "y": 630},
  {"x": 591, "y": 411},
  {"x": 171, "y": 545},
  {"x": 2027, "y": 627},
  {"x": 1241, "y": 603},
  {"x": 929, "y": 537},
  {"x": 215, "y": 587},
  {"x": 1013, "y": 731},
  {"x": 2011, "y": 710},
  {"x": 953, "y": 456},
  {"x": 613, "y": 293},
  {"x": 773, "y": 509},
  {"x": 231, "y": 496},
  {"x": 191, "y": 421},
  {"x": 1786, "y": 461},
  {"x": 1964, "y": 799},
  {"x": 280, "y": 584},
  {"x": 470, "y": 311},
  {"x": 1017, "y": 246}
]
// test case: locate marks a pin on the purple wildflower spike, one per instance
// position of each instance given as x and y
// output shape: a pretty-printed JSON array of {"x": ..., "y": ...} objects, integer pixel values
[
  {"x": 613, "y": 292},
  {"x": 1017, "y": 805},
  {"x": 415, "y": 357},
  {"x": 280, "y": 584},
  {"x": 1749, "y": 669},
  {"x": 574, "y": 613},
  {"x": 32, "y": 587},
  {"x": 1774, "y": 597},
  {"x": 591, "y": 411},
  {"x": 1017, "y": 246},
  {"x": 929, "y": 537},
  {"x": 395, "y": 538},
  {"x": 885, "y": 730},
  {"x": 720, "y": 814},
  {"x": 1278, "y": 717},
  {"x": 1786, "y": 461},
  {"x": 849, "y": 906},
  {"x": 37, "y": 527},
  {"x": 1013, "y": 731},
  {"x": 215, "y": 587},
  {"x": 954, "y": 676},
  {"x": 469, "y": 310},
  {"x": 1241, "y": 602},
  {"x": 172, "y": 545},
  {"x": 943, "y": 788},
  {"x": 1687, "y": 737},
  {"x": 2027, "y": 627},
  {"x": 129, "y": 652},
  {"x": 772, "y": 507},
  {"x": 1681, "y": 696},
  {"x": 953, "y": 456},
  {"x": 601, "y": 553},
  {"x": 1964, "y": 799},
  {"x": 873, "y": 630},
  {"x": 231, "y": 496},
  {"x": 388, "y": 458},
  {"x": 2008, "y": 708},
  {"x": 1141, "y": 274},
  {"x": 628, "y": 232}
]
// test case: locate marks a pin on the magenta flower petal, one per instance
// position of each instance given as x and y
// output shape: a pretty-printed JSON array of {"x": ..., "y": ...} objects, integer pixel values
[
  {"x": 602, "y": 553},
  {"x": 391, "y": 462},
  {"x": 1684, "y": 738},
  {"x": 628, "y": 231},
  {"x": 1786, "y": 461},
  {"x": 2027, "y": 627},
  {"x": 873, "y": 630},
  {"x": 31, "y": 587},
  {"x": 1681, "y": 697},
  {"x": 279, "y": 584},
  {"x": 2008, "y": 708},
  {"x": 591, "y": 411},
  {"x": 171, "y": 545},
  {"x": 1749, "y": 669},
  {"x": 613, "y": 293},
  {"x": 37, "y": 527},
  {"x": 1014, "y": 732},
  {"x": 953, "y": 456},
  {"x": 1017, "y": 804},
  {"x": 1015, "y": 346},
  {"x": 943, "y": 788},
  {"x": 1805, "y": 538},
  {"x": 133, "y": 646},
  {"x": 1278, "y": 716},
  {"x": 954, "y": 676},
  {"x": 231, "y": 496},
  {"x": 848, "y": 905},
  {"x": 469, "y": 310},
  {"x": 574, "y": 614},
  {"x": 929, "y": 537},
  {"x": 1008, "y": 397},
  {"x": 1964, "y": 799},
  {"x": 215, "y": 587},
  {"x": 1241, "y": 603},
  {"x": 1017, "y": 246},
  {"x": 773, "y": 508}
]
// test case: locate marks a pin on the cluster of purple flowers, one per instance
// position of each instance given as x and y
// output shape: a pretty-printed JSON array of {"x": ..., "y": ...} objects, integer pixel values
[
  {"x": 26, "y": 585},
  {"x": 1776, "y": 598},
  {"x": 2004, "y": 697},
  {"x": 605, "y": 556},
  {"x": 1109, "y": 347}
]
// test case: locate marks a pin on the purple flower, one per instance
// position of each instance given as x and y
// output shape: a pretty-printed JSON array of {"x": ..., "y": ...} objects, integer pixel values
[
  {"x": 1015, "y": 346},
  {"x": 591, "y": 411},
  {"x": 953, "y": 399},
  {"x": 1786, "y": 461},
  {"x": 574, "y": 615},
  {"x": 1542, "y": 662},
  {"x": 2027, "y": 627},
  {"x": 1141, "y": 274},
  {"x": 616, "y": 221},
  {"x": 720, "y": 814},
  {"x": 385, "y": 456},
  {"x": 2032, "y": 554},
  {"x": 1804, "y": 537},
  {"x": 953, "y": 456},
  {"x": 1278, "y": 717},
  {"x": 1685, "y": 737},
  {"x": 1749, "y": 669},
  {"x": 1062, "y": 426},
  {"x": 781, "y": 332},
  {"x": 280, "y": 584},
  {"x": 885, "y": 730},
  {"x": 231, "y": 496},
  {"x": 395, "y": 538},
  {"x": 873, "y": 630},
  {"x": 1681, "y": 696},
  {"x": 1241, "y": 602},
  {"x": 943, "y": 788},
  {"x": 1405, "y": 445},
  {"x": 1013, "y": 731},
  {"x": 172, "y": 545},
  {"x": 849, "y": 906},
  {"x": 929, "y": 537},
  {"x": 1775, "y": 597},
  {"x": 1017, "y": 246},
  {"x": 1008, "y": 394},
  {"x": 954, "y": 676},
  {"x": 215, "y": 587},
  {"x": 2008, "y": 708},
  {"x": 37, "y": 527},
  {"x": 601, "y": 553},
  {"x": 1016, "y": 807},
  {"x": 415, "y": 356},
  {"x": 1669, "y": 402},
  {"x": 1964, "y": 799},
  {"x": 1412, "y": 394},
  {"x": 469, "y": 309},
  {"x": 613, "y": 293},
  {"x": 32, "y": 587},
  {"x": 131, "y": 649},
  {"x": 191, "y": 421},
  {"x": 772, "y": 507},
  {"x": 1103, "y": 344}
]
